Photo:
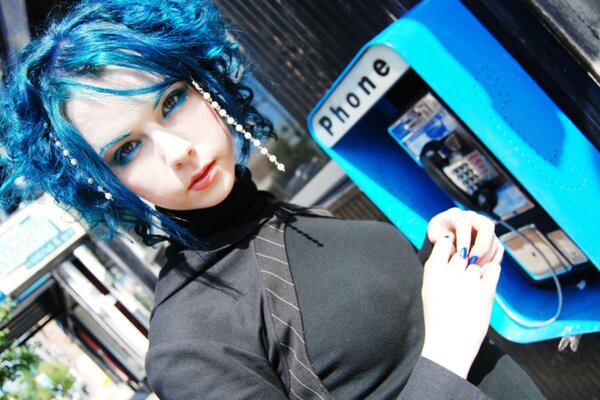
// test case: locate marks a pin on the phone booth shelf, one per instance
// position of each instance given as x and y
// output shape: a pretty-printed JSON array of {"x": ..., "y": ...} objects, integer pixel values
[{"x": 485, "y": 89}]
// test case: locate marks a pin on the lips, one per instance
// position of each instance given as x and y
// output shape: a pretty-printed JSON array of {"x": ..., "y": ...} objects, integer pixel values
[{"x": 204, "y": 178}]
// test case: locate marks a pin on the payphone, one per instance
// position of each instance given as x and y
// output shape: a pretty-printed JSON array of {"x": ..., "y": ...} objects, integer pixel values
[
  {"x": 457, "y": 162},
  {"x": 434, "y": 112}
]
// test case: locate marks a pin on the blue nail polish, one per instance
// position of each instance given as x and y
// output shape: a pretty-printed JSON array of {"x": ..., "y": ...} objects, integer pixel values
[
  {"x": 473, "y": 260},
  {"x": 463, "y": 253}
]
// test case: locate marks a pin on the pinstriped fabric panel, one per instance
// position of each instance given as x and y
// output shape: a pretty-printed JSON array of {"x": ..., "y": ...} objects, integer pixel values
[{"x": 285, "y": 313}]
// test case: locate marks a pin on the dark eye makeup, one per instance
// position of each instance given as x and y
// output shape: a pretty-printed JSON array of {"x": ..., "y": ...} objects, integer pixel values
[
  {"x": 125, "y": 152},
  {"x": 173, "y": 100}
]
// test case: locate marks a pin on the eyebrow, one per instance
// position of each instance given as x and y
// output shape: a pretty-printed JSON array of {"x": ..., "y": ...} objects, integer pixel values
[{"x": 112, "y": 142}]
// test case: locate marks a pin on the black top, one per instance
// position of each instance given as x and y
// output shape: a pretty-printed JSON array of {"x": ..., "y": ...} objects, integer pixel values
[{"x": 358, "y": 290}]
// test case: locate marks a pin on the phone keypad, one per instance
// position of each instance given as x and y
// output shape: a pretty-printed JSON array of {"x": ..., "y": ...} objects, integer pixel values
[
  {"x": 471, "y": 171},
  {"x": 465, "y": 175}
]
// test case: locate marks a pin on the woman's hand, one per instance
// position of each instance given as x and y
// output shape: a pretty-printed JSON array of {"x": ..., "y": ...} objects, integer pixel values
[
  {"x": 457, "y": 304},
  {"x": 474, "y": 235}
]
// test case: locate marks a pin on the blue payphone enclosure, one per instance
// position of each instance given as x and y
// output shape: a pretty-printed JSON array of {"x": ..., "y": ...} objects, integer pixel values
[{"x": 507, "y": 111}]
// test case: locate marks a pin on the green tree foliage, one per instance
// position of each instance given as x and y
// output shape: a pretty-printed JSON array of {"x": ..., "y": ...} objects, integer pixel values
[
  {"x": 14, "y": 360},
  {"x": 20, "y": 366},
  {"x": 55, "y": 382},
  {"x": 59, "y": 374}
]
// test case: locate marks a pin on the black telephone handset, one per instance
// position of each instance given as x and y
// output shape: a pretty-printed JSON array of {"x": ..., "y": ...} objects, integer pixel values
[{"x": 462, "y": 170}]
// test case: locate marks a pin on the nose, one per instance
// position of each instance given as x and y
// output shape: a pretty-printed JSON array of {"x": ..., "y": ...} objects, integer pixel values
[{"x": 176, "y": 150}]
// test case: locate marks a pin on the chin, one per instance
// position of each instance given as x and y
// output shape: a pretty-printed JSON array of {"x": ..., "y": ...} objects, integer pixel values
[
  {"x": 215, "y": 194},
  {"x": 210, "y": 197}
]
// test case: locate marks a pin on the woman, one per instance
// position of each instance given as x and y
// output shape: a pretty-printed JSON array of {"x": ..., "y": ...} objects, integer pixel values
[{"x": 123, "y": 104}]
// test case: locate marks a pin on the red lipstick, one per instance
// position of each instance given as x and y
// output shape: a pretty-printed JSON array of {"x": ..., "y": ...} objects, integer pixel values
[{"x": 204, "y": 178}]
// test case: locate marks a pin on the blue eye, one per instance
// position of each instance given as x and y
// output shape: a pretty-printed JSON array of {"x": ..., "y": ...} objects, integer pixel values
[
  {"x": 174, "y": 100},
  {"x": 125, "y": 152}
]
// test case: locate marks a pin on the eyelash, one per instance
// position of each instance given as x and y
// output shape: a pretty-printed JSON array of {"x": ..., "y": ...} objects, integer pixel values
[
  {"x": 170, "y": 104},
  {"x": 178, "y": 95},
  {"x": 119, "y": 158}
]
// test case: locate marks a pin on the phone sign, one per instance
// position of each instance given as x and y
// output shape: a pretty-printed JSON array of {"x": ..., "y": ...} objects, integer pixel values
[{"x": 372, "y": 75}]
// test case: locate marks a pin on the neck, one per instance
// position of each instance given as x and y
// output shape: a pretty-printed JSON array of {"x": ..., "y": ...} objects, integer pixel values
[{"x": 241, "y": 205}]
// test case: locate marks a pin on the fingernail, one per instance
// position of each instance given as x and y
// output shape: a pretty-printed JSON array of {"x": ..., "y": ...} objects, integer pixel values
[
  {"x": 473, "y": 260},
  {"x": 463, "y": 252}
]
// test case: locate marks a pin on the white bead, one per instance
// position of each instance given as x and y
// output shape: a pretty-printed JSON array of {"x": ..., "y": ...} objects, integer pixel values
[
  {"x": 108, "y": 196},
  {"x": 264, "y": 150},
  {"x": 256, "y": 142},
  {"x": 214, "y": 104},
  {"x": 281, "y": 167},
  {"x": 90, "y": 181},
  {"x": 239, "y": 127},
  {"x": 58, "y": 144},
  {"x": 73, "y": 161},
  {"x": 206, "y": 95},
  {"x": 248, "y": 135},
  {"x": 100, "y": 189},
  {"x": 272, "y": 158},
  {"x": 65, "y": 152},
  {"x": 231, "y": 121},
  {"x": 222, "y": 112}
]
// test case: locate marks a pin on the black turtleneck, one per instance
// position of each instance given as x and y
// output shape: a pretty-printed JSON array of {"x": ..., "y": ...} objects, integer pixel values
[{"x": 214, "y": 226}]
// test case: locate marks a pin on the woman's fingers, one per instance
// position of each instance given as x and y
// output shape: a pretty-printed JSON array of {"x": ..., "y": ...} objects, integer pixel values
[
  {"x": 442, "y": 250},
  {"x": 473, "y": 272},
  {"x": 457, "y": 261},
  {"x": 497, "y": 257},
  {"x": 463, "y": 229},
  {"x": 483, "y": 245},
  {"x": 490, "y": 274},
  {"x": 489, "y": 252},
  {"x": 473, "y": 233},
  {"x": 440, "y": 225}
]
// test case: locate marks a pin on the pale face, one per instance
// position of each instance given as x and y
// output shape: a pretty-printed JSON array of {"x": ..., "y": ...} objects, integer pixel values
[{"x": 169, "y": 148}]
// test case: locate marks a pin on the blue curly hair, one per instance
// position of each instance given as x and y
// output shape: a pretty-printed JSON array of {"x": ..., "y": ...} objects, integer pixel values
[{"x": 179, "y": 40}]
